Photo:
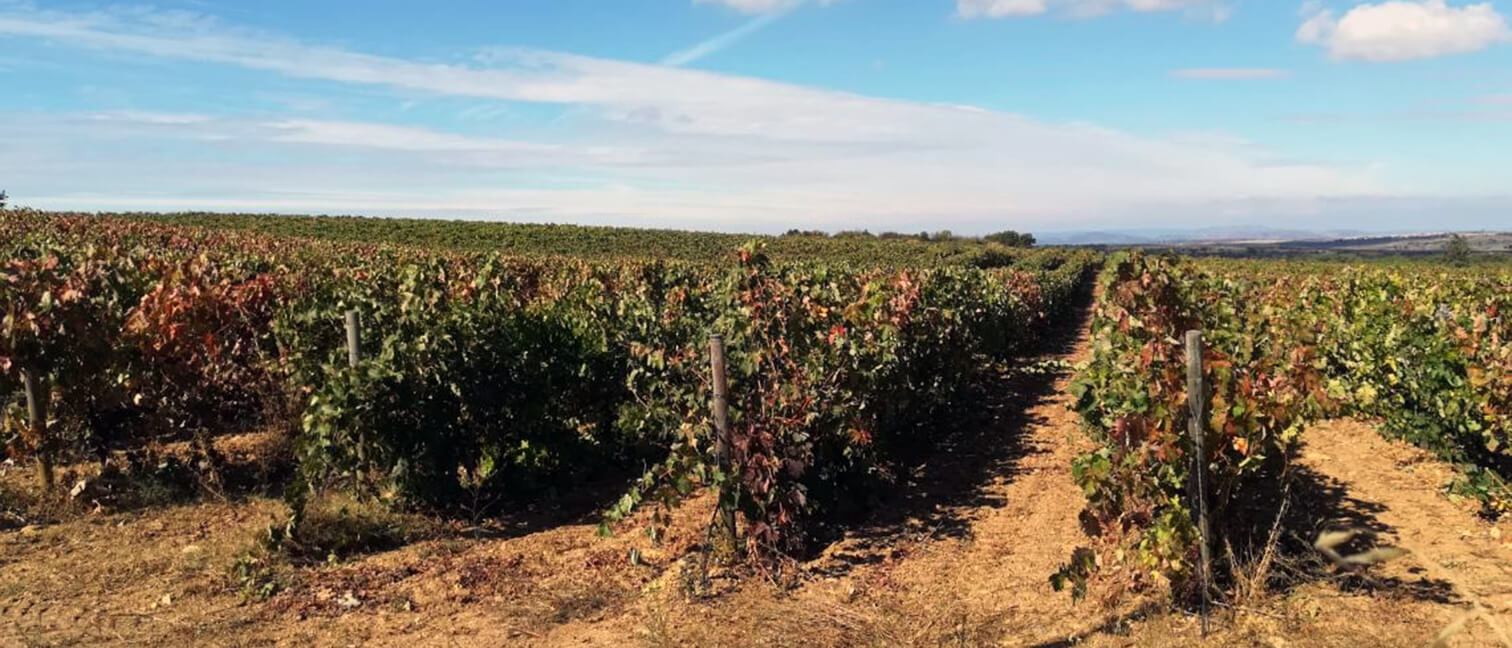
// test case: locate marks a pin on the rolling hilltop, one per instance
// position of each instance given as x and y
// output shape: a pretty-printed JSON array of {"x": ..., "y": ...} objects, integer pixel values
[{"x": 1264, "y": 241}]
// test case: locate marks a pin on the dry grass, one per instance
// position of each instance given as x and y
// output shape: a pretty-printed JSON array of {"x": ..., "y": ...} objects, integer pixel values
[
  {"x": 337, "y": 527},
  {"x": 835, "y": 615},
  {"x": 1254, "y": 574}
]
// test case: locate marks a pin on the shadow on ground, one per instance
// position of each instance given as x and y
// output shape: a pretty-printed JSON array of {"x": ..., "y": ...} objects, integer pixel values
[
  {"x": 938, "y": 497},
  {"x": 1317, "y": 503}
]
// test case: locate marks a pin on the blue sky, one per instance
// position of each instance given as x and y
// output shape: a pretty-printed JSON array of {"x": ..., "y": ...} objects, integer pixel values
[{"x": 762, "y": 115}]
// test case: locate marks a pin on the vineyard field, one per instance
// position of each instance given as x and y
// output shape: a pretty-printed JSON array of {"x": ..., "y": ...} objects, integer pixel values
[{"x": 919, "y": 443}]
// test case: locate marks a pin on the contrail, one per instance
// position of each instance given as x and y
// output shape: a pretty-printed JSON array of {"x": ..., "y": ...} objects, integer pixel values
[{"x": 717, "y": 43}]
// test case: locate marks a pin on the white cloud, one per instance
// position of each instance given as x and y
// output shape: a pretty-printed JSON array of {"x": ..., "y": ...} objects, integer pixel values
[
  {"x": 1000, "y": 8},
  {"x": 1216, "y": 10},
  {"x": 647, "y": 145},
  {"x": 1401, "y": 30},
  {"x": 1230, "y": 74},
  {"x": 151, "y": 118}
]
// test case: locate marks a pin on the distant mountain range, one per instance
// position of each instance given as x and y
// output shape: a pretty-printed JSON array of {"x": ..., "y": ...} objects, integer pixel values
[
  {"x": 1267, "y": 240},
  {"x": 1156, "y": 236}
]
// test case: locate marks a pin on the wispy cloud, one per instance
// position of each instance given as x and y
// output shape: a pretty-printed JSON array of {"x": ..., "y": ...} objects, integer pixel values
[
  {"x": 1230, "y": 74},
  {"x": 722, "y": 41},
  {"x": 449, "y": 149},
  {"x": 151, "y": 118},
  {"x": 1216, "y": 10},
  {"x": 1493, "y": 114}
]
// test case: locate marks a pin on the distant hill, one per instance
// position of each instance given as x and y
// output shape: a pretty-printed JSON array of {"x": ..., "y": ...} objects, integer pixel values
[
  {"x": 1416, "y": 243},
  {"x": 1270, "y": 241},
  {"x": 1162, "y": 236}
]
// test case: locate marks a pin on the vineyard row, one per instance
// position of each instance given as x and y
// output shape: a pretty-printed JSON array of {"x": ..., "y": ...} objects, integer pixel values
[{"x": 1426, "y": 350}]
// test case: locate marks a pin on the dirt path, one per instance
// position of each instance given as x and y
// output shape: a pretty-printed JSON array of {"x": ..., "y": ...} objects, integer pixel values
[
  {"x": 962, "y": 557},
  {"x": 1458, "y": 560},
  {"x": 989, "y": 581}
]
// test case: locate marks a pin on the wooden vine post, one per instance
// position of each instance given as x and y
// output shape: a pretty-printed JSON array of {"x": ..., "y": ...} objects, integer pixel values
[
  {"x": 1196, "y": 427},
  {"x": 36, "y": 414},
  {"x": 354, "y": 357},
  {"x": 353, "y": 334},
  {"x": 720, "y": 406}
]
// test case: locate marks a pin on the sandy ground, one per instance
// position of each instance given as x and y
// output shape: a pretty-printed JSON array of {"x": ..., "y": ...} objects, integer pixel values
[{"x": 1459, "y": 562}]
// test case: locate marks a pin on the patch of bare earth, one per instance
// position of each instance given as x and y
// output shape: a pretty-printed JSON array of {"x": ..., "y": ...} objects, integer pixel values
[
  {"x": 1456, "y": 580},
  {"x": 161, "y": 576},
  {"x": 126, "y": 579},
  {"x": 1460, "y": 566}
]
